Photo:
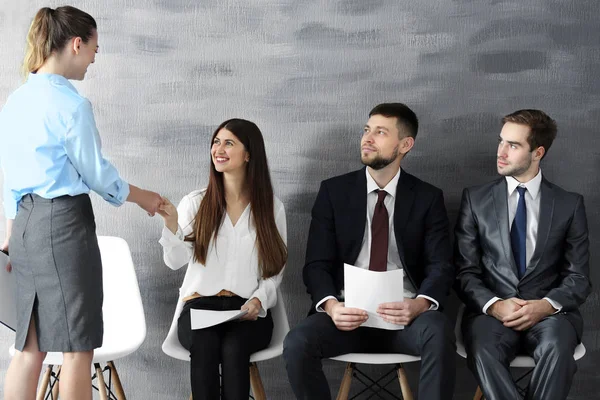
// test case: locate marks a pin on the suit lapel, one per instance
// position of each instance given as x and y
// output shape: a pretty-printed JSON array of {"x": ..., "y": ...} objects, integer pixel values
[
  {"x": 544, "y": 224},
  {"x": 357, "y": 209},
  {"x": 499, "y": 195},
  {"x": 405, "y": 196}
]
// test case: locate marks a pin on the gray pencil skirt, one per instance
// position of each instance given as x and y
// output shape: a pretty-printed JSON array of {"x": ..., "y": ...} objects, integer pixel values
[{"x": 58, "y": 271}]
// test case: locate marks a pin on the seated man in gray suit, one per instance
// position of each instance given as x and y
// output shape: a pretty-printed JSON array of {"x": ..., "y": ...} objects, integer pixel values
[{"x": 522, "y": 267}]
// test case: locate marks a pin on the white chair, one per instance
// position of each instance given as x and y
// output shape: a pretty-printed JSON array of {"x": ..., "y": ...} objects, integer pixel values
[
  {"x": 521, "y": 361},
  {"x": 281, "y": 327},
  {"x": 375, "y": 358},
  {"x": 124, "y": 323}
]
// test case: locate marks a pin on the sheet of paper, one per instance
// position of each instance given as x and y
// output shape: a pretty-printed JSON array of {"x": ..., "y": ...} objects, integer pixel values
[
  {"x": 8, "y": 307},
  {"x": 204, "y": 318},
  {"x": 366, "y": 289}
]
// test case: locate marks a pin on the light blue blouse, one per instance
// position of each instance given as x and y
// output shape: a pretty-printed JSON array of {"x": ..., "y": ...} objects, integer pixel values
[{"x": 49, "y": 145}]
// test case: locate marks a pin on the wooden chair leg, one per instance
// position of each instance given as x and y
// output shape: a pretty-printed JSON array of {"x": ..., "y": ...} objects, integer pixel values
[
  {"x": 117, "y": 381},
  {"x": 258, "y": 391},
  {"x": 346, "y": 381},
  {"x": 101, "y": 385},
  {"x": 478, "y": 394},
  {"x": 56, "y": 385},
  {"x": 404, "y": 387},
  {"x": 45, "y": 381}
]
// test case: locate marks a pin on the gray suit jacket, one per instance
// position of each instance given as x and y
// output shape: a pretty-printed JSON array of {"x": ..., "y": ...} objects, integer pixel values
[{"x": 559, "y": 267}]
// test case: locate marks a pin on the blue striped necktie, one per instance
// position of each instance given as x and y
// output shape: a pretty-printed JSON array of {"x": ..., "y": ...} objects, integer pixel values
[{"x": 518, "y": 233}]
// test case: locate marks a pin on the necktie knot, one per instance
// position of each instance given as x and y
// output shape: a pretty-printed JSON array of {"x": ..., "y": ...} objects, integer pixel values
[
  {"x": 521, "y": 190},
  {"x": 380, "y": 195}
]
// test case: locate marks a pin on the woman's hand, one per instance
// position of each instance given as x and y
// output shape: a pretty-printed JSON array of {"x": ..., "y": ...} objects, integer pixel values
[
  {"x": 253, "y": 306},
  {"x": 169, "y": 213}
]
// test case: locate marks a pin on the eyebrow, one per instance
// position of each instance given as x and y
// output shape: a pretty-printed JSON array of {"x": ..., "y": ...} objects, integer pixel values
[
  {"x": 510, "y": 141},
  {"x": 378, "y": 127}
]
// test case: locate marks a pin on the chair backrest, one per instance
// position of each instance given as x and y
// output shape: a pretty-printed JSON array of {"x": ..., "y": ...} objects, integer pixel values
[
  {"x": 460, "y": 344},
  {"x": 124, "y": 321},
  {"x": 281, "y": 326}
]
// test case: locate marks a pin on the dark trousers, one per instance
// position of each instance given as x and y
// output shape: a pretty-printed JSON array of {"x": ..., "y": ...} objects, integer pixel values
[
  {"x": 430, "y": 336},
  {"x": 491, "y": 347},
  {"x": 229, "y": 344}
]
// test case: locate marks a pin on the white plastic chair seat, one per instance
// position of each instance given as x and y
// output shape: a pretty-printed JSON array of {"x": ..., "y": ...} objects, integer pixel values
[
  {"x": 521, "y": 361},
  {"x": 123, "y": 312},
  {"x": 281, "y": 327},
  {"x": 376, "y": 358}
]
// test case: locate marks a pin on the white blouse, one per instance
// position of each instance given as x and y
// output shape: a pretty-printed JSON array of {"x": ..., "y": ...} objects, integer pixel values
[{"x": 231, "y": 260}]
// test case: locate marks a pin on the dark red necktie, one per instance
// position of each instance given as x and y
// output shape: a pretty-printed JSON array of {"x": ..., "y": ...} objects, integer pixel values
[{"x": 379, "y": 234}]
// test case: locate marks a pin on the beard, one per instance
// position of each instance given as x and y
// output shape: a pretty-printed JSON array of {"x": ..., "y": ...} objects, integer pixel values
[
  {"x": 379, "y": 162},
  {"x": 515, "y": 170}
]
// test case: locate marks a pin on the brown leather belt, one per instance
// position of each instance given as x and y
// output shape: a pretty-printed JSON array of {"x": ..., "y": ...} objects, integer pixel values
[{"x": 222, "y": 293}]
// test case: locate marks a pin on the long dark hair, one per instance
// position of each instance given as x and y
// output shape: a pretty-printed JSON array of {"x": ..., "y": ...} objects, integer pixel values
[
  {"x": 272, "y": 251},
  {"x": 50, "y": 31}
]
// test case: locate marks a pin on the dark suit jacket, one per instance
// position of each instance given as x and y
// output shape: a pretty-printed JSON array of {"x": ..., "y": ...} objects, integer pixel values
[
  {"x": 559, "y": 267},
  {"x": 337, "y": 229}
]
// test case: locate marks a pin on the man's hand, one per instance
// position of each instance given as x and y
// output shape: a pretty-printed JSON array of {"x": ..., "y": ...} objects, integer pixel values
[
  {"x": 344, "y": 318},
  {"x": 530, "y": 313},
  {"x": 503, "y": 308},
  {"x": 403, "y": 312},
  {"x": 146, "y": 199}
]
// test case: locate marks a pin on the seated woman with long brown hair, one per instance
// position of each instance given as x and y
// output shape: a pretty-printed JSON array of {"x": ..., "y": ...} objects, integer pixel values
[{"x": 232, "y": 235}]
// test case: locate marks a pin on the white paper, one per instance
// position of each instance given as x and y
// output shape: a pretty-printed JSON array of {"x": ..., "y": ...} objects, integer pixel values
[
  {"x": 205, "y": 318},
  {"x": 366, "y": 290},
  {"x": 8, "y": 307}
]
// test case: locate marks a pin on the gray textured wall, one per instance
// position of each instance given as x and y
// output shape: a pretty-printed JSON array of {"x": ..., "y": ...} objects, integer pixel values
[{"x": 307, "y": 72}]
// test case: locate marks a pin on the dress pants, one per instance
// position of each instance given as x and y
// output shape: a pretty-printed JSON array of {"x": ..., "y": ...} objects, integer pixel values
[
  {"x": 491, "y": 347},
  {"x": 229, "y": 344},
  {"x": 429, "y": 335}
]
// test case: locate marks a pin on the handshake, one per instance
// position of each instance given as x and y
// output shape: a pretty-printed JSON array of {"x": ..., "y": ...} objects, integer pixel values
[{"x": 153, "y": 203}]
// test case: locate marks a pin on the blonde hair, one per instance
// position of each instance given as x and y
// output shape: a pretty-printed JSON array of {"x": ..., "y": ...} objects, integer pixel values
[{"x": 50, "y": 31}]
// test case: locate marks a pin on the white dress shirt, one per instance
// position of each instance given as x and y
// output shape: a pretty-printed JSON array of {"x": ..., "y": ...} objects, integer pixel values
[
  {"x": 393, "y": 258},
  {"x": 532, "y": 204},
  {"x": 231, "y": 260}
]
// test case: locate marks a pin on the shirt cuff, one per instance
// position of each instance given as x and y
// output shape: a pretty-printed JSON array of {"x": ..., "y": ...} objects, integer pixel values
[
  {"x": 318, "y": 306},
  {"x": 170, "y": 239},
  {"x": 554, "y": 304},
  {"x": 489, "y": 304},
  {"x": 434, "y": 304},
  {"x": 123, "y": 191}
]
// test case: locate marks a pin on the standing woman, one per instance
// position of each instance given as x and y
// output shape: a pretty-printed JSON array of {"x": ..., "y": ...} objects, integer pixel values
[
  {"x": 51, "y": 157},
  {"x": 232, "y": 236}
]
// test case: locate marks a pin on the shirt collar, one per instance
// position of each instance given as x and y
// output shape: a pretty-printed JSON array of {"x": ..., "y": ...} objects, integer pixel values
[
  {"x": 533, "y": 186},
  {"x": 53, "y": 78},
  {"x": 390, "y": 188}
]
